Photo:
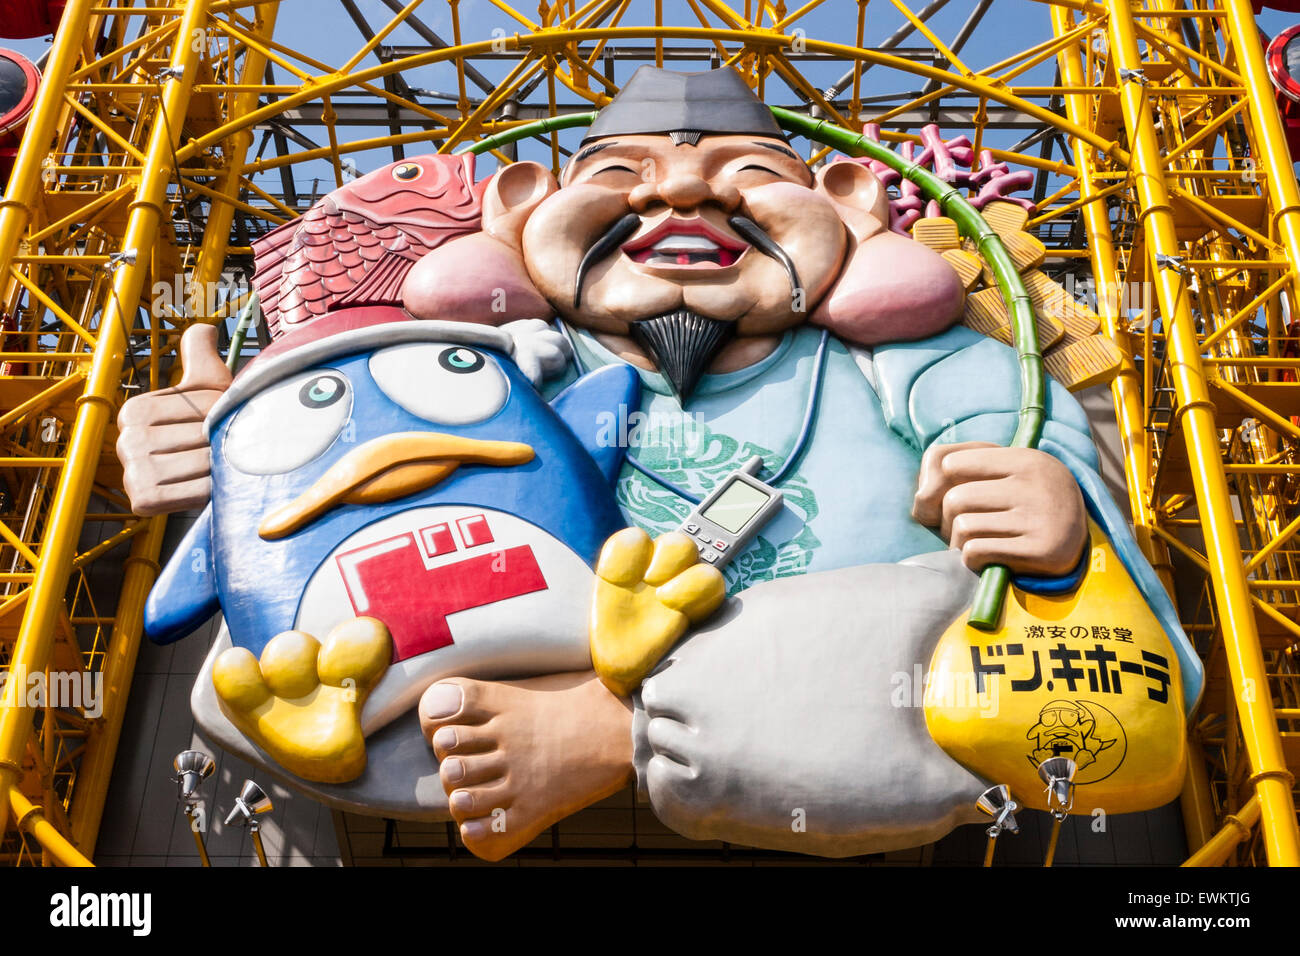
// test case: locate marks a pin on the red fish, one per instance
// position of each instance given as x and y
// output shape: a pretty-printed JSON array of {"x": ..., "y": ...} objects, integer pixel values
[{"x": 355, "y": 246}]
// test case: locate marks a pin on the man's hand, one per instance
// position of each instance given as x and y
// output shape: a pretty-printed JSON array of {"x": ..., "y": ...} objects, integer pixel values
[
  {"x": 161, "y": 446},
  {"x": 1014, "y": 506}
]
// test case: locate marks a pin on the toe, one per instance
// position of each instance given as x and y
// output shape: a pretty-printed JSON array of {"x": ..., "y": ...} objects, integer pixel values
[
  {"x": 238, "y": 679},
  {"x": 449, "y": 739},
  {"x": 472, "y": 770},
  {"x": 359, "y": 649},
  {"x": 697, "y": 592},
  {"x": 625, "y": 557},
  {"x": 289, "y": 664},
  {"x": 674, "y": 552},
  {"x": 491, "y": 801},
  {"x": 488, "y": 837},
  {"x": 459, "y": 700}
]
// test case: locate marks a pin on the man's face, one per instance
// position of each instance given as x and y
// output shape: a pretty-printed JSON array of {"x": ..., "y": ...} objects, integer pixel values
[{"x": 683, "y": 253}]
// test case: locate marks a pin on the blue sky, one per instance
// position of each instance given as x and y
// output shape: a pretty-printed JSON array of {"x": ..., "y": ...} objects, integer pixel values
[{"x": 323, "y": 29}]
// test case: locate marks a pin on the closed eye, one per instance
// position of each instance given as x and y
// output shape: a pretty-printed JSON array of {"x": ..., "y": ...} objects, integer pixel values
[
  {"x": 615, "y": 168},
  {"x": 761, "y": 169}
]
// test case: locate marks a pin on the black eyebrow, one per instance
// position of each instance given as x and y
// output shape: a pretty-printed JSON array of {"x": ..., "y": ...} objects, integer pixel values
[
  {"x": 780, "y": 149},
  {"x": 591, "y": 151}
]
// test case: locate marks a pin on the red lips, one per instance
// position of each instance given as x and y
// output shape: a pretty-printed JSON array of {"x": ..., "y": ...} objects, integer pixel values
[{"x": 685, "y": 242}]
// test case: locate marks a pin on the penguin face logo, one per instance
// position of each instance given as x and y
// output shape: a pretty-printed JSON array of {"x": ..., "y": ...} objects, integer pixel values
[
  {"x": 297, "y": 421},
  {"x": 1085, "y": 732}
]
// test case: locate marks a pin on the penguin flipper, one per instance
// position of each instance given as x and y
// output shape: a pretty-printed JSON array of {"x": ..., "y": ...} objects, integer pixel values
[
  {"x": 591, "y": 408},
  {"x": 185, "y": 594}
]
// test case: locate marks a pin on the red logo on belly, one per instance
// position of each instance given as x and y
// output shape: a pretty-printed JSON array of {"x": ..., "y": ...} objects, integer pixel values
[{"x": 406, "y": 581}]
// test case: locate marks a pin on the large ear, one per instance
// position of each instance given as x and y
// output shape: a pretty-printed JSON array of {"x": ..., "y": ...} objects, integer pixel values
[
  {"x": 482, "y": 277},
  {"x": 857, "y": 195},
  {"x": 511, "y": 196}
]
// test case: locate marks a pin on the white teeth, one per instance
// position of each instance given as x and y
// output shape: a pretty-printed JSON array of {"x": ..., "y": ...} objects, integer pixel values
[{"x": 683, "y": 242}]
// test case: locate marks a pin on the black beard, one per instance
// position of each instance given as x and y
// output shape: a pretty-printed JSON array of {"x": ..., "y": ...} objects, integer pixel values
[{"x": 683, "y": 345}]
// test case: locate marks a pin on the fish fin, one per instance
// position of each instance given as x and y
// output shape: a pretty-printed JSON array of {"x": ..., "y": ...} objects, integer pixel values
[
  {"x": 382, "y": 284},
  {"x": 591, "y": 406},
  {"x": 269, "y": 253},
  {"x": 185, "y": 594}
]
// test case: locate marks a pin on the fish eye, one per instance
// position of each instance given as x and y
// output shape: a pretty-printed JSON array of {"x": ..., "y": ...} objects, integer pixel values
[
  {"x": 289, "y": 424},
  {"x": 442, "y": 383},
  {"x": 407, "y": 172}
]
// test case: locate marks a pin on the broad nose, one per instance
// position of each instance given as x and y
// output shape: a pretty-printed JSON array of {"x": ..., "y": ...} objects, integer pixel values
[{"x": 683, "y": 192}]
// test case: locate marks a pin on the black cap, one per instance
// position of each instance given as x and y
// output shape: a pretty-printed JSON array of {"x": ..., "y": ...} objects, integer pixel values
[{"x": 663, "y": 101}]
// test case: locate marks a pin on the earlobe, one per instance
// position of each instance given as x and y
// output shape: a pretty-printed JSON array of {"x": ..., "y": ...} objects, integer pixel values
[
  {"x": 511, "y": 196},
  {"x": 857, "y": 195}
]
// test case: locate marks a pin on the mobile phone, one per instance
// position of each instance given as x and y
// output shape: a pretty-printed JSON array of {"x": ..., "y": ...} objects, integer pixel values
[{"x": 725, "y": 522}]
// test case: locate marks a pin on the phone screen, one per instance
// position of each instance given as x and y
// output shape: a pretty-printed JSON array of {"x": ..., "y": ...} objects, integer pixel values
[{"x": 734, "y": 508}]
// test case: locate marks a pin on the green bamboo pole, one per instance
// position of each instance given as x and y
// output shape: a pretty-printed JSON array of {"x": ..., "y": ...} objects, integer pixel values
[
  {"x": 986, "y": 610},
  {"x": 536, "y": 128},
  {"x": 241, "y": 331}
]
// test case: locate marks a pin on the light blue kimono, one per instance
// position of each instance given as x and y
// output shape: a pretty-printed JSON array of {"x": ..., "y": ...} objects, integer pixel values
[{"x": 849, "y": 499}]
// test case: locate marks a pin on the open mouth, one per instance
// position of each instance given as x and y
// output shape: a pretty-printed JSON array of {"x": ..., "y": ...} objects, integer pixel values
[{"x": 685, "y": 242}]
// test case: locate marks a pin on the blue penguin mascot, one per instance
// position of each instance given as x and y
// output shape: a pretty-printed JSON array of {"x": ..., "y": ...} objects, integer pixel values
[{"x": 392, "y": 503}]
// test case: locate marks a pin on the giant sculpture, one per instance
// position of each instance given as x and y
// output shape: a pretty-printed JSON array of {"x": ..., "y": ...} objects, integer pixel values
[{"x": 701, "y": 278}]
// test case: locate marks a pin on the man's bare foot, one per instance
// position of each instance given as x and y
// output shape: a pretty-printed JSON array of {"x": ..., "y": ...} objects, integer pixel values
[{"x": 518, "y": 756}]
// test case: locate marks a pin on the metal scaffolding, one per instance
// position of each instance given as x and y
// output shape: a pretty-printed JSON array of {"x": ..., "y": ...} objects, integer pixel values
[{"x": 166, "y": 136}]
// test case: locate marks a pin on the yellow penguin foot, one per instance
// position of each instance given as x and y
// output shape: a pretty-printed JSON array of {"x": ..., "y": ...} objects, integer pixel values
[
  {"x": 301, "y": 702},
  {"x": 647, "y": 594}
]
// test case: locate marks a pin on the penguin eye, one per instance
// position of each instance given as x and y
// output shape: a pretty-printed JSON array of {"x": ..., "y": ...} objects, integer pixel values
[
  {"x": 289, "y": 424},
  {"x": 407, "y": 172},
  {"x": 445, "y": 384},
  {"x": 460, "y": 360},
  {"x": 321, "y": 391}
]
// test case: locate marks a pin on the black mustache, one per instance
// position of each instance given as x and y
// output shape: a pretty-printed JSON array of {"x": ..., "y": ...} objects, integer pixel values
[
  {"x": 622, "y": 230},
  {"x": 614, "y": 237},
  {"x": 760, "y": 240}
]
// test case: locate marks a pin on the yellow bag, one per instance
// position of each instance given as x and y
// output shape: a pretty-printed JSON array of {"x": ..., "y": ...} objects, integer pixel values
[{"x": 1089, "y": 675}]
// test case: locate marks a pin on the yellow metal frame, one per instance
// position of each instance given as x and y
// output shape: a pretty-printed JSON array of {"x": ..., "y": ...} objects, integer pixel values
[{"x": 1161, "y": 125}]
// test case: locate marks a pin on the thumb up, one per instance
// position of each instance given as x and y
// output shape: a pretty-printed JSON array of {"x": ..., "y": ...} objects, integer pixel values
[{"x": 164, "y": 455}]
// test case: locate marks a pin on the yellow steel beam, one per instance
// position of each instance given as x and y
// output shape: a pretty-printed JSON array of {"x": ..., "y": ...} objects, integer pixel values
[
  {"x": 1245, "y": 658},
  {"x": 96, "y": 406},
  {"x": 538, "y": 45},
  {"x": 1269, "y": 141},
  {"x": 28, "y": 817},
  {"x": 141, "y": 567},
  {"x": 1236, "y": 828},
  {"x": 1126, "y": 389},
  {"x": 25, "y": 177}
]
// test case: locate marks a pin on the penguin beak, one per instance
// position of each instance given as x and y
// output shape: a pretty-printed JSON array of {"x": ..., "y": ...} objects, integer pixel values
[{"x": 386, "y": 468}]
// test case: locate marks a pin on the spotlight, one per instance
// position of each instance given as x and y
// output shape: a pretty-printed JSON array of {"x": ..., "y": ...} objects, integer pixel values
[
  {"x": 996, "y": 802},
  {"x": 1058, "y": 773},
  {"x": 251, "y": 803},
  {"x": 192, "y": 768}
]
